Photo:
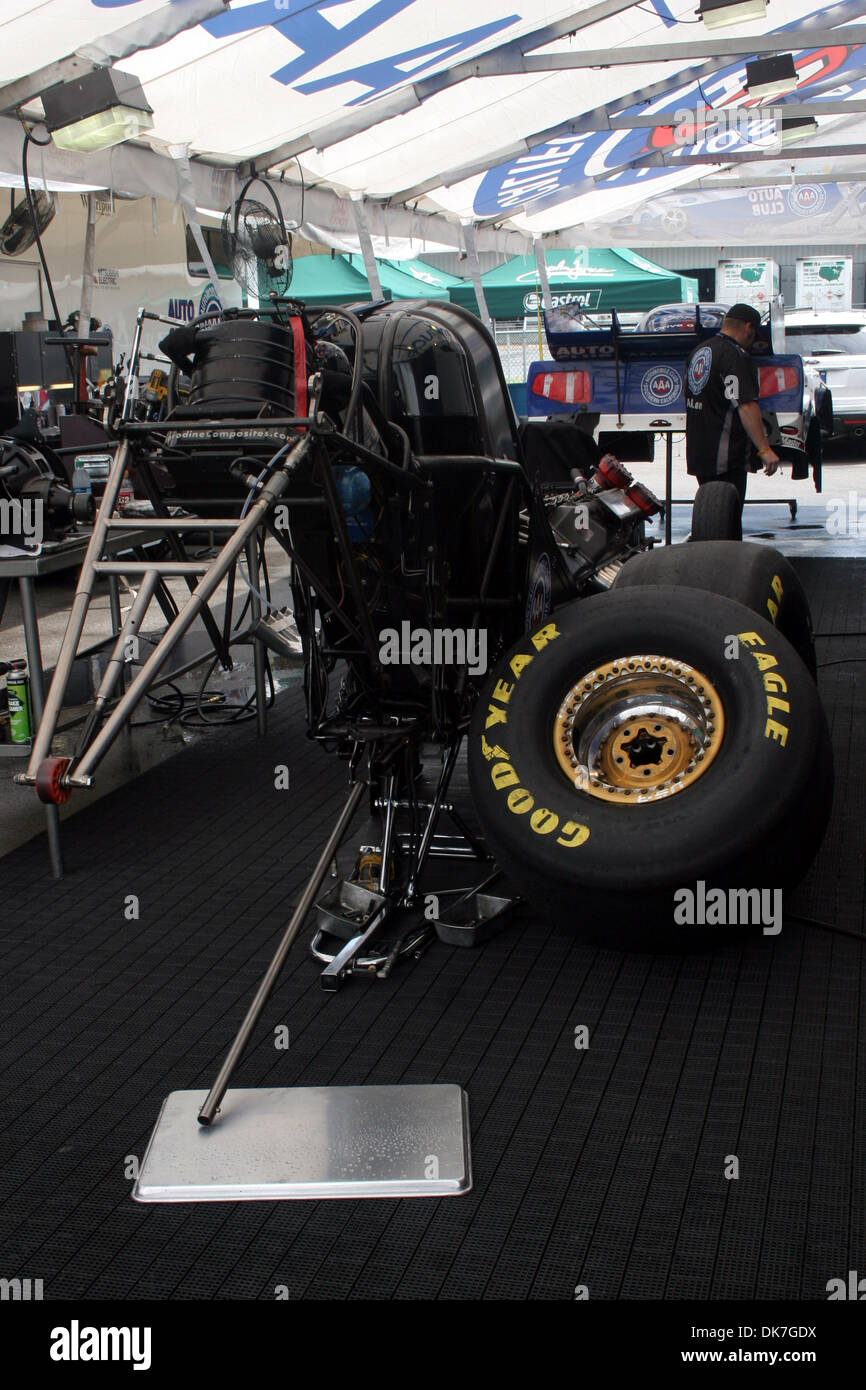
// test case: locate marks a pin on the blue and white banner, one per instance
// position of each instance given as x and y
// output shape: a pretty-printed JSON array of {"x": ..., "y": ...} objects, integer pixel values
[
  {"x": 361, "y": 92},
  {"x": 568, "y": 166},
  {"x": 802, "y": 213}
]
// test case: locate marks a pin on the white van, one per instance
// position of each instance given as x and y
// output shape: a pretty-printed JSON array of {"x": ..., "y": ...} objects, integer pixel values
[{"x": 833, "y": 342}]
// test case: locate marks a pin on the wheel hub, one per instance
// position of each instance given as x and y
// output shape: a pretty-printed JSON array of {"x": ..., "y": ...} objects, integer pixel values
[{"x": 640, "y": 728}]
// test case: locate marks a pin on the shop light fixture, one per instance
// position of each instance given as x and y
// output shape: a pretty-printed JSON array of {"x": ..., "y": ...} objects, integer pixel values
[
  {"x": 791, "y": 128},
  {"x": 718, "y": 14},
  {"x": 102, "y": 108},
  {"x": 768, "y": 77}
]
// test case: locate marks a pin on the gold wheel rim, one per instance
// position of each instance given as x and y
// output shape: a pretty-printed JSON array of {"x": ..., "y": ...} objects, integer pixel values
[{"x": 640, "y": 728}]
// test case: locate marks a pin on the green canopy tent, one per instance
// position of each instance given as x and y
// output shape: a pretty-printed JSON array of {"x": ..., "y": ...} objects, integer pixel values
[
  {"x": 428, "y": 282},
  {"x": 597, "y": 280},
  {"x": 323, "y": 279},
  {"x": 327, "y": 280}
]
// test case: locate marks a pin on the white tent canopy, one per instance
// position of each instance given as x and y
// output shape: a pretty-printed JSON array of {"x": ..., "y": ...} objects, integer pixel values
[{"x": 528, "y": 118}]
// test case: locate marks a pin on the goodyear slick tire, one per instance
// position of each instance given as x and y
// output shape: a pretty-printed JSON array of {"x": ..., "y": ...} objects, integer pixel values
[
  {"x": 755, "y": 575},
  {"x": 609, "y": 871},
  {"x": 717, "y": 513}
]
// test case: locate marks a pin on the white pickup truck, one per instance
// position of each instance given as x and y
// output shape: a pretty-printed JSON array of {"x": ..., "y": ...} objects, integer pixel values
[{"x": 833, "y": 343}]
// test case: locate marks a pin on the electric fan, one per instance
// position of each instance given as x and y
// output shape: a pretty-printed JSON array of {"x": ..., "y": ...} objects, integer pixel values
[
  {"x": 19, "y": 231},
  {"x": 258, "y": 247}
]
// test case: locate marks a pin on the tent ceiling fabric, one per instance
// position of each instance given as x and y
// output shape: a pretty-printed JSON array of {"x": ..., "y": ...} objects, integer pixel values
[{"x": 265, "y": 76}]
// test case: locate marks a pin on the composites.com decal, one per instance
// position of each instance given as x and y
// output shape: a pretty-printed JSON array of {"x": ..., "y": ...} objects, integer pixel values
[{"x": 661, "y": 385}]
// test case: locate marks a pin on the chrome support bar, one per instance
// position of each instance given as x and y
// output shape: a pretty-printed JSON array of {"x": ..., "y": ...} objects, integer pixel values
[
  {"x": 162, "y": 567},
  {"x": 116, "y": 662},
  {"x": 194, "y": 605},
  {"x": 78, "y": 614},
  {"x": 173, "y": 523},
  {"x": 220, "y": 1086},
  {"x": 430, "y": 827}
]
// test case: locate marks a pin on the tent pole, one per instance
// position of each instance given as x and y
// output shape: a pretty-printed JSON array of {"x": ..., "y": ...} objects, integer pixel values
[
  {"x": 370, "y": 266},
  {"x": 186, "y": 198},
  {"x": 546, "y": 301},
  {"x": 475, "y": 273},
  {"x": 87, "y": 268}
]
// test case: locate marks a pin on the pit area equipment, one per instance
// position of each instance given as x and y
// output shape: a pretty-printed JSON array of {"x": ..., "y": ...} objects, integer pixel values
[{"x": 451, "y": 578}]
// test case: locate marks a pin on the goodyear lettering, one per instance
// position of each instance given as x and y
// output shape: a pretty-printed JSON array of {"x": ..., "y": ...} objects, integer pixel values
[
  {"x": 495, "y": 715},
  {"x": 518, "y": 664},
  {"x": 774, "y": 683},
  {"x": 521, "y": 802},
  {"x": 492, "y": 750},
  {"x": 544, "y": 635},
  {"x": 503, "y": 775},
  {"x": 573, "y": 834}
]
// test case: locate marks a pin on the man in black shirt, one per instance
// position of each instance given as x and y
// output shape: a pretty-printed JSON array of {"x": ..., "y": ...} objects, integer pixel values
[{"x": 724, "y": 429}]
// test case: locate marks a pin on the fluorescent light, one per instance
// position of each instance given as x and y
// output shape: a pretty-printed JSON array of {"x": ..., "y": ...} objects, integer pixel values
[
  {"x": 107, "y": 128},
  {"x": 792, "y": 128},
  {"x": 718, "y": 14},
  {"x": 767, "y": 77},
  {"x": 93, "y": 112}
]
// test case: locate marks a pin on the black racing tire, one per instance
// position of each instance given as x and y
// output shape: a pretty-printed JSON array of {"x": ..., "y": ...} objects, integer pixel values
[
  {"x": 755, "y": 575},
  {"x": 608, "y": 867},
  {"x": 717, "y": 513}
]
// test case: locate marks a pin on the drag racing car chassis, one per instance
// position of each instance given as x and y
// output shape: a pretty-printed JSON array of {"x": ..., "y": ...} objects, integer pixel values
[{"x": 459, "y": 580}]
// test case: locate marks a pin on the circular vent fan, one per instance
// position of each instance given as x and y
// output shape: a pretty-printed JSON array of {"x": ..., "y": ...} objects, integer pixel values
[
  {"x": 258, "y": 247},
  {"x": 19, "y": 231}
]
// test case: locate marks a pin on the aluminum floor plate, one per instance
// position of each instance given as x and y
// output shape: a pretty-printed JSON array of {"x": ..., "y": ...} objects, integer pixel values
[{"x": 310, "y": 1142}]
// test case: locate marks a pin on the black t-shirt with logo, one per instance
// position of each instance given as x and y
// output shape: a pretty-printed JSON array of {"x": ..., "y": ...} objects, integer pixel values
[{"x": 720, "y": 377}]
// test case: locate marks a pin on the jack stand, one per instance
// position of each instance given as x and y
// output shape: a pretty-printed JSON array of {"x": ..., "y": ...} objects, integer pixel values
[{"x": 351, "y": 916}]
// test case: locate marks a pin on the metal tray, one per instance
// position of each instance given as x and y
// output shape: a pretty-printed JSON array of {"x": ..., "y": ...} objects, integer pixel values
[
  {"x": 474, "y": 920},
  {"x": 346, "y": 909}
]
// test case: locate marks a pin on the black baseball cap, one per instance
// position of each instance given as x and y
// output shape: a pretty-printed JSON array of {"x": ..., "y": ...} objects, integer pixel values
[{"x": 745, "y": 313}]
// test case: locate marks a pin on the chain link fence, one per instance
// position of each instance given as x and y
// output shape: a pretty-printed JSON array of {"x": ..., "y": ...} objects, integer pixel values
[{"x": 519, "y": 343}]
